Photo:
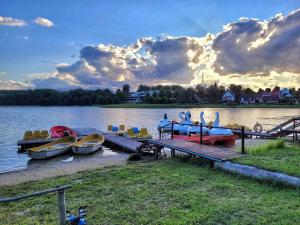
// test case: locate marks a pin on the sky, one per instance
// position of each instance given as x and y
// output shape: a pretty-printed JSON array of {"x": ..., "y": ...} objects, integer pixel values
[{"x": 104, "y": 44}]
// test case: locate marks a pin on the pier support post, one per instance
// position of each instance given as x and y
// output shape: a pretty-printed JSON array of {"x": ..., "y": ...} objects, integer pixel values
[
  {"x": 62, "y": 207},
  {"x": 173, "y": 153},
  {"x": 172, "y": 130},
  {"x": 201, "y": 133},
  {"x": 243, "y": 140},
  {"x": 157, "y": 149}
]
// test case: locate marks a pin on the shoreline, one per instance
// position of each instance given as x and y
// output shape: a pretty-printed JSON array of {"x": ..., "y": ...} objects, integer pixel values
[
  {"x": 40, "y": 172},
  {"x": 250, "y": 106}
]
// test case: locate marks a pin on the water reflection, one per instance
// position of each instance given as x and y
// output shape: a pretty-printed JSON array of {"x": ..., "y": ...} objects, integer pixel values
[{"x": 15, "y": 120}]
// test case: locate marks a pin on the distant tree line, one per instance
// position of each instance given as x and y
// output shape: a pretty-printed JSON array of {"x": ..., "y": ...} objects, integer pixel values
[
  {"x": 200, "y": 93},
  {"x": 211, "y": 94},
  {"x": 49, "y": 97}
]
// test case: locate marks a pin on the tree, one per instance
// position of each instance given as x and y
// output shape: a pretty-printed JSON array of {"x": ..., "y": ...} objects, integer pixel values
[{"x": 126, "y": 89}]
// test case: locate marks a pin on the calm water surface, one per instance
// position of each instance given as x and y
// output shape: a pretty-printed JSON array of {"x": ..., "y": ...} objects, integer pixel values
[{"x": 15, "y": 120}]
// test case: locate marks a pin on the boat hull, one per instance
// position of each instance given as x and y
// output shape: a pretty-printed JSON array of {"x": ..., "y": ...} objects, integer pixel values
[
  {"x": 86, "y": 150},
  {"x": 209, "y": 139},
  {"x": 44, "y": 154}
]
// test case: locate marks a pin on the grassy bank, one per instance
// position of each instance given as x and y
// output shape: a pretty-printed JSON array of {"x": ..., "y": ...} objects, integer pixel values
[
  {"x": 162, "y": 192},
  {"x": 132, "y": 105},
  {"x": 286, "y": 160}
]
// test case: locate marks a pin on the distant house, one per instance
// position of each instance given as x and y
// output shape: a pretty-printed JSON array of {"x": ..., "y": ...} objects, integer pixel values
[
  {"x": 137, "y": 97},
  {"x": 228, "y": 97},
  {"x": 285, "y": 94},
  {"x": 248, "y": 99},
  {"x": 269, "y": 96}
]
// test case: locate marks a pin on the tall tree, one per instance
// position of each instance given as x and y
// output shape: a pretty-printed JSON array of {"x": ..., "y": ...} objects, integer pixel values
[{"x": 126, "y": 89}]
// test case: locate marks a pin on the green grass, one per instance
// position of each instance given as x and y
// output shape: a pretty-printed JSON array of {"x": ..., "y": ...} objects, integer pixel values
[
  {"x": 144, "y": 105},
  {"x": 286, "y": 160},
  {"x": 162, "y": 192},
  {"x": 265, "y": 147}
]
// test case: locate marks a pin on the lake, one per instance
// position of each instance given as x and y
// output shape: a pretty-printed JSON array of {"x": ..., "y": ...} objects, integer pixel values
[{"x": 15, "y": 120}]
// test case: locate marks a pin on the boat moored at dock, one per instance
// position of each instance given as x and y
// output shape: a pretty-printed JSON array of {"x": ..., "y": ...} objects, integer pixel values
[
  {"x": 51, "y": 149},
  {"x": 88, "y": 144}
]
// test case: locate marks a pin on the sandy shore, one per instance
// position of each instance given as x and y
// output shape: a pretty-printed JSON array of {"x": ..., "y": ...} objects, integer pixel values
[{"x": 41, "y": 171}]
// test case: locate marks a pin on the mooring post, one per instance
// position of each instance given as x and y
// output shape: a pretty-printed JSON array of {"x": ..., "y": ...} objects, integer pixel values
[
  {"x": 243, "y": 140},
  {"x": 159, "y": 132},
  {"x": 172, "y": 130},
  {"x": 173, "y": 153},
  {"x": 156, "y": 151},
  {"x": 294, "y": 126},
  {"x": 201, "y": 133},
  {"x": 62, "y": 207}
]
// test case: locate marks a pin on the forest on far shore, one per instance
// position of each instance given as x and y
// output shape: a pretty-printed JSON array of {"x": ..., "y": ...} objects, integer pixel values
[{"x": 211, "y": 94}]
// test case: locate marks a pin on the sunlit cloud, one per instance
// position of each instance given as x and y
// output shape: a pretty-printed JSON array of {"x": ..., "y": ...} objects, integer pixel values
[
  {"x": 13, "y": 85},
  {"x": 13, "y": 22},
  {"x": 43, "y": 22}
]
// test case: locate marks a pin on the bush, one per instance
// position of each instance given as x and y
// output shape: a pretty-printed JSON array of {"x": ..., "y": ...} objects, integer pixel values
[{"x": 134, "y": 157}]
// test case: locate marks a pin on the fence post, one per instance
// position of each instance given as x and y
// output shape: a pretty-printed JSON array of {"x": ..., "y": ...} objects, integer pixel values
[
  {"x": 201, "y": 133},
  {"x": 243, "y": 140},
  {"x": 172, "y": 130},
  {"x": 62, "y": 207}
]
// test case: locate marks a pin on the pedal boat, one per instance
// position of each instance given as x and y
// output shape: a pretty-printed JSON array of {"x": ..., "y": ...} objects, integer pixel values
[
  {"x": 88, "y": 144},
  {"x": 51, "y": 149}
]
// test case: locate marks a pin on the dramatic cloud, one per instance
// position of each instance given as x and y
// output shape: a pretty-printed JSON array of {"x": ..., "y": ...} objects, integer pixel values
[
  {"x": 43, "y": 22},
  {"x": 9, "y": 21},
  {"x": 249, "y": 52},
  {"x": 164, "y": 60},
  {"x": 254, "y": 47}
]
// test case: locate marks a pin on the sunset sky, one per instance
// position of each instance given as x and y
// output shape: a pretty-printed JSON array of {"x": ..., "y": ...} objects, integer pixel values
[{"x": 98, "y": 44}]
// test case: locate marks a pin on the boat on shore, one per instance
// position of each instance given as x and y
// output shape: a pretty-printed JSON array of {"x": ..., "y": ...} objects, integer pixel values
[
  {"x": 88, "y": 144},
  {"x": 51, "y": 149}
]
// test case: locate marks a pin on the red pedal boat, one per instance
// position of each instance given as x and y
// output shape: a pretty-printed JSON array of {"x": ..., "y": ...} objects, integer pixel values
[
  {"x": 62, "y": 131},
  {"x": 209, "y": 139}
]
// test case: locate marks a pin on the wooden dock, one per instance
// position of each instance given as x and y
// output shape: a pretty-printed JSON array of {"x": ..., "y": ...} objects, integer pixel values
[
  {"x": 110, "y": 140},
  {"x": 123, "y": 142},
  {"x": 213, "y": 153}
]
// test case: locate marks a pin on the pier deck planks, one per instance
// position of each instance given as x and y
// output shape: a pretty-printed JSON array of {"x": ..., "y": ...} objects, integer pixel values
[
  {"x": 123, "y": 142},
  {"x": 215, "y": 153}
]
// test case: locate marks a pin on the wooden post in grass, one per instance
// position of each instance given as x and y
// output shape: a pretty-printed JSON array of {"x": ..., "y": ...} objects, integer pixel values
[
  {"x": 243, "y": 140},
  {"x": 62, "y": 207}
]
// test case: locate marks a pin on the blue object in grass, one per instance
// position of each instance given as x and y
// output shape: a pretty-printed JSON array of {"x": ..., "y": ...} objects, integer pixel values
[
  {"x": 114, "y": 128},
  {"x": 135, "y": 130}
]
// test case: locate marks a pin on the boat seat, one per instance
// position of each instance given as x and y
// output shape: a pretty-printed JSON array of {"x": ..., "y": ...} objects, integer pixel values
[
  {"x": 122, "y": 127},
  {"x": 44, "y": 134},
  {"x": 130, "y": 133},
  {"x": 36, "y": 134},
  {"x": 144, "y": 133},
  {"x": 28, "y": 135},
  {"x": 109, "y": 127}
]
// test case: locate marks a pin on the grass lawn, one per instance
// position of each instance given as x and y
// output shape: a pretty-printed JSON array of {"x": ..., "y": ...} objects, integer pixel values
[
  {"x": 162, "y": 192},
  {"x": 286, "y": 160},
  {"x": 144, "y": 105}
]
